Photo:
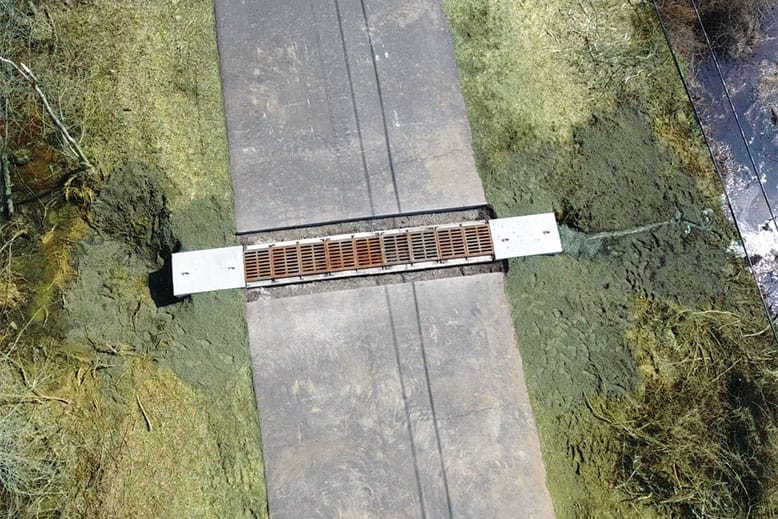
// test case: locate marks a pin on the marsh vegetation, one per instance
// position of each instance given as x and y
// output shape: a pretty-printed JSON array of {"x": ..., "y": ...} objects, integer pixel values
[
  {"x": 652, "y": 376},
  {"x": 110, "y": 406},
  {"x": 648, "y": 356}
]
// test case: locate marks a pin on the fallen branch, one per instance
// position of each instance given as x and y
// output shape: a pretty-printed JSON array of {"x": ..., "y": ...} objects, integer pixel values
[
  {"x": 34, "y": 399},
  {"x": 5, "y": 184},
  {"x": 596, "y": 413},
  {"x": 5, "y": 169},
  {"x": 24, "y": 71},
  {"x": 143, "y": 412}
]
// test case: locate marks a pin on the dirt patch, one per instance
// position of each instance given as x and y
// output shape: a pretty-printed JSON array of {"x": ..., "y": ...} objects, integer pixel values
[{"x": 133, "y": 207}]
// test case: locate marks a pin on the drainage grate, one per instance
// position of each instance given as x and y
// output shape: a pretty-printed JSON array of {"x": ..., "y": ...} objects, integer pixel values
[
  {"x": 380, "y": 252},
  {"x": 367, "y": 251}
]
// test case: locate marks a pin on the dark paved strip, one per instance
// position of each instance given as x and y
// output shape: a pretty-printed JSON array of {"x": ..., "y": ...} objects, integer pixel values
[
  {"x": 399, "y": 401},
  {"x": 342, "y": 109}
]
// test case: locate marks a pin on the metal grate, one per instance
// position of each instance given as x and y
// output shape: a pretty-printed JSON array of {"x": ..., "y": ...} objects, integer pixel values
[
  {"x": 384, "y": 249},
  {"x": 397, "y": 249}
]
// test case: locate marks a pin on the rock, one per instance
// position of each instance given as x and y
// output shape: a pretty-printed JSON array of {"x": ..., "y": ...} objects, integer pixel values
[{"x": 21, "y": 156}]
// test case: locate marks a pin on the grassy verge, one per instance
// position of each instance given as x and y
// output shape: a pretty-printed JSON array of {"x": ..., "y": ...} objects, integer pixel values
[
  {"x": 700, "y": 435},
  {"x": 577, "y": 107},
  {"x": 124, "y": 409}
]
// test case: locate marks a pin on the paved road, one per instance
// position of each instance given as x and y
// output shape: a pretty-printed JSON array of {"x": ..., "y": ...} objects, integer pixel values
[
  {"x": 398, "y": 401},
  {"x": 342, "y": 110}
]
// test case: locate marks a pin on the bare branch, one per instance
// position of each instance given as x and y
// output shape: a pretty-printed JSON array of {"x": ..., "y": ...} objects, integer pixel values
[{"x": 24, "y": 71}]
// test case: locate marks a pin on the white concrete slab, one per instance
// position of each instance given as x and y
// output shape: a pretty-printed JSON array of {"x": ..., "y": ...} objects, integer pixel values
[
  {"x": 207, "y": 270},
  {"x": 399, "y": 401},
  {"x": 530, "y": 235}
]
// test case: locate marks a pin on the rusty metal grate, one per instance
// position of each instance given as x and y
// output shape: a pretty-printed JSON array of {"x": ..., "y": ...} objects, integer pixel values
[
  {"x": 397, "y": 249},
  {"x": 384, "y": 249}
]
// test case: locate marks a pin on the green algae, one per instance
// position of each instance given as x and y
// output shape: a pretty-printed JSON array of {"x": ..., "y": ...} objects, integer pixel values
[
  {"x": 628, "y": 155},
  {"x": 148, "y": 411}
]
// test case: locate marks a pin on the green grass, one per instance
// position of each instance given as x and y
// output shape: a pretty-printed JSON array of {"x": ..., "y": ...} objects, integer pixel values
[
  {"x": 135, "y": 82},
  {"x": 577, "y": 107}
]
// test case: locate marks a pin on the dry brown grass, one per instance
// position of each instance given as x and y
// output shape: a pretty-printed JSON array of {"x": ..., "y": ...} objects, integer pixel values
[{"x": 700, "y": 438}]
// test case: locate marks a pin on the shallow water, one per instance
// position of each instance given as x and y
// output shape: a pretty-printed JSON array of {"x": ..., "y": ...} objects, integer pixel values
[{"x": 736, "y": 100}]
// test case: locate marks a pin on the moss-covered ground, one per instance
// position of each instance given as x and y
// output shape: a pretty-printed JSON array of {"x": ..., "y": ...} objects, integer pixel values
[
  {"x": 110, "y": 406},
  {"x": 577, "y": 107},
  {"x": 645, "y": 346}
]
